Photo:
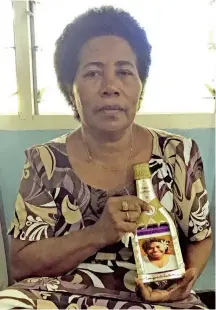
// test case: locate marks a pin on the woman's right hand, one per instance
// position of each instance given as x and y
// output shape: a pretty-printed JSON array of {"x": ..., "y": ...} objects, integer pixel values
[{"x": 115, "y": 221}]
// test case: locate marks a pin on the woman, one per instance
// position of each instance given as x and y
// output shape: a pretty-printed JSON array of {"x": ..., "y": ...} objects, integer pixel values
[
  {"x": 157, "y": 258},
  {"x": 66, "y": 249}
]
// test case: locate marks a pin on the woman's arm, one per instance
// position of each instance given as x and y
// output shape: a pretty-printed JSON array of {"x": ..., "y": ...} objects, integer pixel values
[
  {"x": 38, "y": 252},
  {"x": 57, "y": 256},
  {"x": 53, "y": 256},
  {"x": 35, "y": 251},
  {"x": 197, "y": 254}
]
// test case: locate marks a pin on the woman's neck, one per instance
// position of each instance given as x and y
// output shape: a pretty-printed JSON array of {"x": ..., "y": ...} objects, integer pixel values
[
  {"x": 160, "y": 262},
  {"x": 105, "y": 146}
]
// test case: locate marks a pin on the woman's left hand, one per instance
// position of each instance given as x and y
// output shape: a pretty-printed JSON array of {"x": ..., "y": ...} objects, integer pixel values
[{"x": 178, "y": 291}]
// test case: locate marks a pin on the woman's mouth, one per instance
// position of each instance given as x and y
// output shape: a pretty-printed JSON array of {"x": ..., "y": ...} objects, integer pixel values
[
  {"x": 110, "y": 109},
  {"x": 157, "y": 255},
  {"x": 114, "y": 111}
]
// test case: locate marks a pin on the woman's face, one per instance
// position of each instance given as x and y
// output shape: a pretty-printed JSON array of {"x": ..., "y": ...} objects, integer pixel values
[
  {"x": 107, "y": 86},
  {"x": 156, "y": 250}
]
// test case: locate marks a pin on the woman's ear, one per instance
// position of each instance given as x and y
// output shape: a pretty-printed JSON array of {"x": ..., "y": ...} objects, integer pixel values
[
  {"x": 139, "y": 104},
  {"x": 73, "y": 105},
  {"x": 140, "y": 99},
  {"x": 70, "y": 94},
  {"x": 72, "y": 99}
]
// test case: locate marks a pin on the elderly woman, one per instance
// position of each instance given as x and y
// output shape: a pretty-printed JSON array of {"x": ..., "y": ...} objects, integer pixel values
[{"x": 66, "y": 249}]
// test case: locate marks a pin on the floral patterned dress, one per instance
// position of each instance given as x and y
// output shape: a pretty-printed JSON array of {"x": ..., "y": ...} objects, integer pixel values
[{"x": 52, "y": 201}]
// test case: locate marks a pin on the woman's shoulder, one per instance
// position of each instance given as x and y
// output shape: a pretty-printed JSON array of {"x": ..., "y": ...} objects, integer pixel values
[
  {"x": 57, "y": 143},
  {"x": 167, "y": 136},
  {"x": 168, "y": 144},
  {"x": 47, "y": 153}
]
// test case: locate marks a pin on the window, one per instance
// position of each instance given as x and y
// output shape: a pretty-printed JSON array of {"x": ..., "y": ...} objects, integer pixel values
[
  {"x": 8, "y": 89},
  {"x": 182, "y": 77},
  {"x": 184, "y": 68}
]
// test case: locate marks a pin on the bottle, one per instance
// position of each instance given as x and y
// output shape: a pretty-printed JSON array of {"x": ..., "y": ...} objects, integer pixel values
[{"x": 156, "y": 245}]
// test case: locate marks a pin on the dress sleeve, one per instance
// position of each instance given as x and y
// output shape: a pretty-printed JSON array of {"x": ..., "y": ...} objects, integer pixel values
[
  {"x": 191, "y": 205},
  {"x": 35, "y": 213}
]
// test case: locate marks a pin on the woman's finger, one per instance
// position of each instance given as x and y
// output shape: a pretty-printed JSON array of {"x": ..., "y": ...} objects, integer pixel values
[
  {"x": 177, "y": 291},
  {"x": 152, "y": 295},
  {"x": 189, "y": 276},
  {"x": 128, "y": 227},
  {"x": 144, "y": 206},
  {"x": 137, "y": 208},
  {"x": 180, "y": 293},
  {"x": 182, "y": 289},
  {"x": 131, "y": 203},
  {"x": 134, "y": 207},
  {"x": 130, "y": 216},
  {"x": 143, "y": 289}
]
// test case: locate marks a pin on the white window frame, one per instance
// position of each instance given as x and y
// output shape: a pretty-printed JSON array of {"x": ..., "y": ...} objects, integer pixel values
[{"x": 27, "y": 119}]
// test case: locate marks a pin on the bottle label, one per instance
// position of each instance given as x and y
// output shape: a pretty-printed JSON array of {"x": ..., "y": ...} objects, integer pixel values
[
  {"x": 151, "y": 211},
  {"x": 155, "y": 254},
  {"x": 145, "y": 190}
]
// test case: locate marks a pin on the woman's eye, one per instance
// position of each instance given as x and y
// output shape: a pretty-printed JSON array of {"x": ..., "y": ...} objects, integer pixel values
[
  {"x": 124, "y": 72},
  {"x": 92, "y": 74}
]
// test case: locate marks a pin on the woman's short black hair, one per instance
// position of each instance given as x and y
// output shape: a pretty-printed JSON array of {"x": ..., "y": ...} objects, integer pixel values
[
  {"x": 147, "y": 244},
  {"x": 105, "y": 20}
]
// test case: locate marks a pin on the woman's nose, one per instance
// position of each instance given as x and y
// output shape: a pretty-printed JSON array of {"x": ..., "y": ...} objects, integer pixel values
[
  {"x": 109, "y": 87},
  {"x": 110, "y": 91}
]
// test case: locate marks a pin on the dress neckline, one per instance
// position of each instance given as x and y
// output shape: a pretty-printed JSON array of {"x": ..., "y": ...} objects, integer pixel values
[{"x": 117, "y": 191}]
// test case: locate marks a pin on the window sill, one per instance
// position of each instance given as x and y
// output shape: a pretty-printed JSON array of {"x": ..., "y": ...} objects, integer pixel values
[{"x": 53, "y": 122}]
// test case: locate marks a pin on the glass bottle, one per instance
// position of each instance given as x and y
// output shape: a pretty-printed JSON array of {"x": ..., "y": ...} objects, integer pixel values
[{"x": 156, "y": 245}]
